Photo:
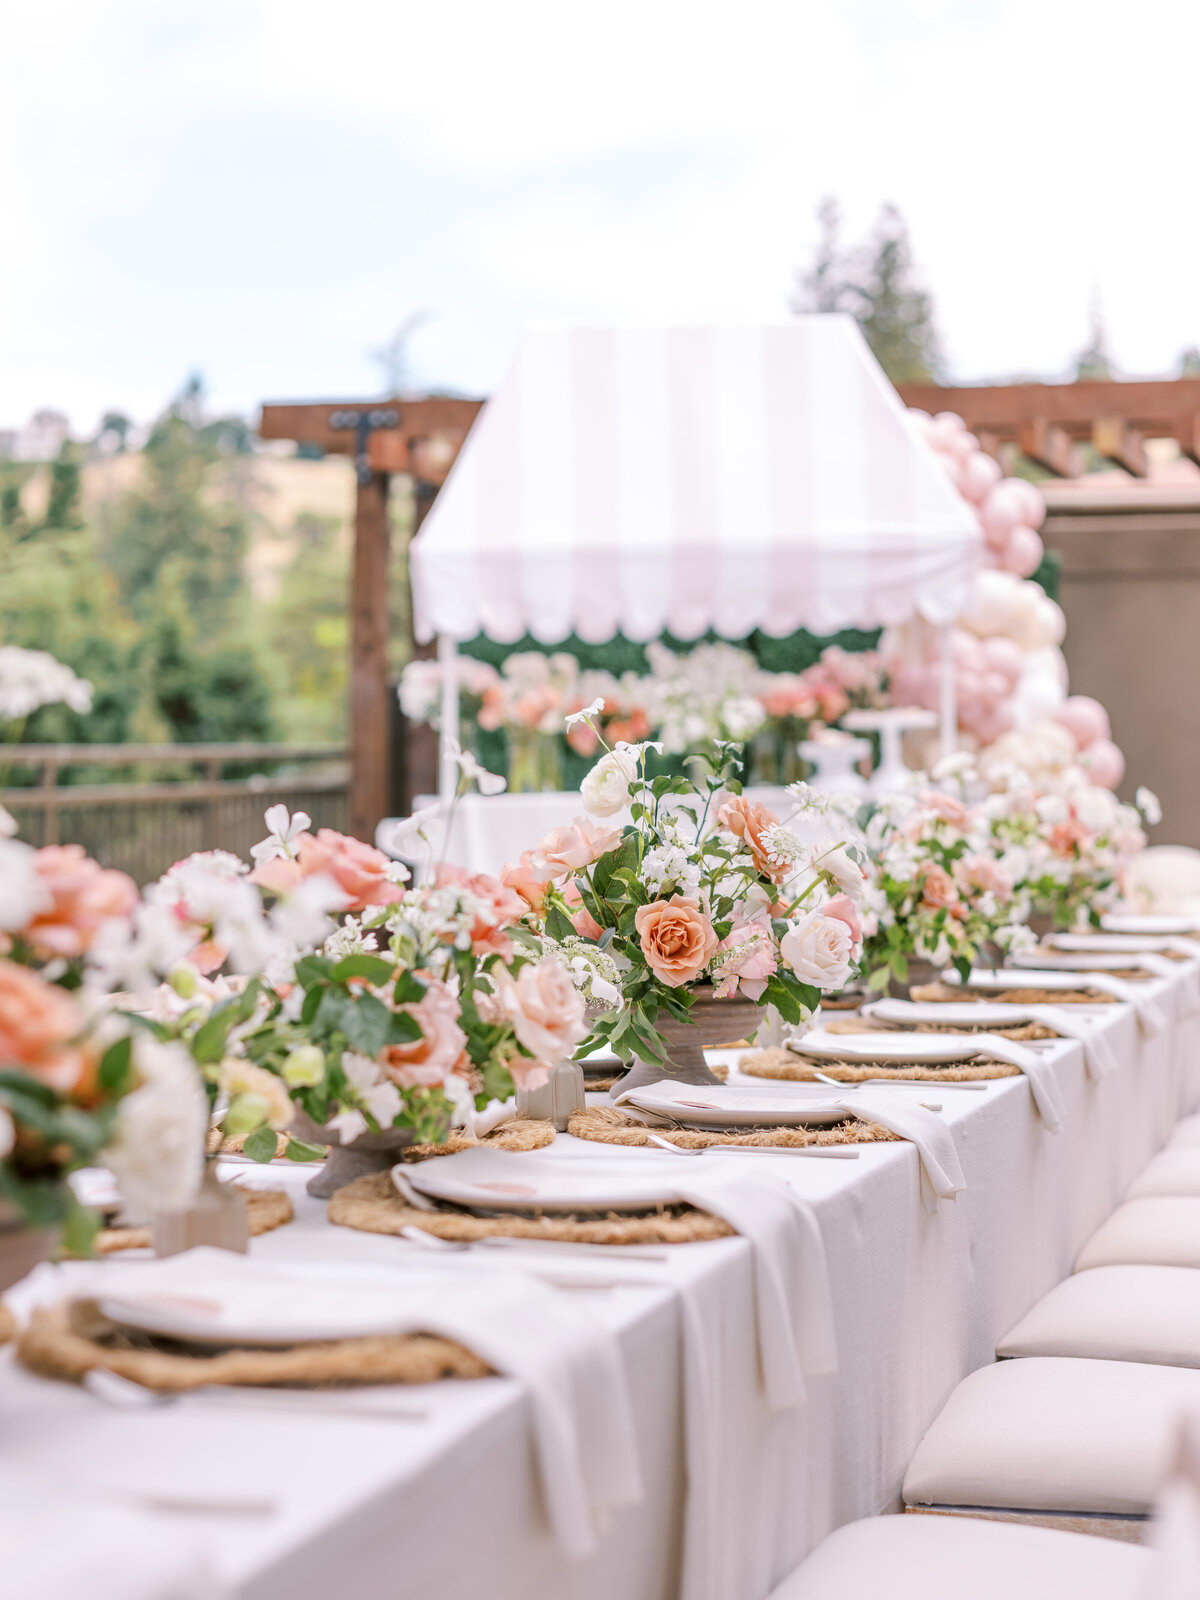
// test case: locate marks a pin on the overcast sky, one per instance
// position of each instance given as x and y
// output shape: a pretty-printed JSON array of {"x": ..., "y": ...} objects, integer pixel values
[{"x": 263, "y": 190}]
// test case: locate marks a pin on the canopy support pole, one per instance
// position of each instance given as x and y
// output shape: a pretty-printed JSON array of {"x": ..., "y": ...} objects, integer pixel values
[
  {"x": 948, "y": 699},
  {"x": 447, "y": 652}
]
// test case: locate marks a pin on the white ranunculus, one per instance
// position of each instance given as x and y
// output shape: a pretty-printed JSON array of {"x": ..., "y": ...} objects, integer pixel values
[
  {"x": 157, "y": 1150},
  {"x": 845, "y": 872},
  {"x": 605, "y": 790},
  {"x": 22, "y": 892},
  {"x": 1148, "y": 804},
  {"x": 819, "y": 950}
]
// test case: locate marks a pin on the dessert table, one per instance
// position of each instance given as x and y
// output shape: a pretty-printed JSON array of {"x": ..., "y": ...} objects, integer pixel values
[{"x": 443, "y": 1499}]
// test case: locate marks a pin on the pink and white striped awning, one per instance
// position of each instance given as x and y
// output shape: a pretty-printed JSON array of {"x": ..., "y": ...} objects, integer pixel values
[{"x": 644, "y": 480}]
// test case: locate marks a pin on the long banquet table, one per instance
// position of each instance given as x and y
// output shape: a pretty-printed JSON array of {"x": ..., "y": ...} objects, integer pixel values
[{"x": 444, "y": 1502}]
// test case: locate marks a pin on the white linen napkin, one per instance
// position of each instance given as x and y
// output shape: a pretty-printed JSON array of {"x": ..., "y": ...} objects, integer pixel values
[
  {"x": 1150, "y": 1015},
  {"x": 793, "y": 1299},
  {"x": 1042, "y": 1081},
  {"x": 941, "y": 1171},
  {"x": 1098, "y": 1056},
  {"x": 567, "y": 1362}
]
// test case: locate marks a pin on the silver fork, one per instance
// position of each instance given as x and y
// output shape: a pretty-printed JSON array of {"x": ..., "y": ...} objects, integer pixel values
[{"x": 125, "y": 1395}]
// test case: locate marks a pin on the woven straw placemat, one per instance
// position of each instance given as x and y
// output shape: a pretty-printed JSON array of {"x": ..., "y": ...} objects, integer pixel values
[
  {"x": 8, "y": 1325},
  {"x": 523, "y": 1134},
  {"x": 233, "y": 1144},
  {"x": 939, "y": 992},
  {"x": 1019, "y": 1032},
  {"x": 794, "y": 1068},
  {"x": 67, "y": 1341},
  {"x": 609, "y": 1125},
  {"x": 603, "y": 1085},
  {"x": 372, "y": 1205},
  {"x": 267, "y": 1209}
]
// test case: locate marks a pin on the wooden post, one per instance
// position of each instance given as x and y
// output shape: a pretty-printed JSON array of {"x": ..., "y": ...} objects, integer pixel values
[{"x": 370, "y": 718}]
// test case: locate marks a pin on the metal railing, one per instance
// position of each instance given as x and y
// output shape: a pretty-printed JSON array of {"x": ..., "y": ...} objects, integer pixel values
[{"x": 143, "y": 824}]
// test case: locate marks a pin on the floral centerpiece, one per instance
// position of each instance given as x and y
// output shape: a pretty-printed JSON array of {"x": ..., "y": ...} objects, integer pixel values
[
  {"x": 700, "y": 899},
  {"x": 940, "y": 889}
]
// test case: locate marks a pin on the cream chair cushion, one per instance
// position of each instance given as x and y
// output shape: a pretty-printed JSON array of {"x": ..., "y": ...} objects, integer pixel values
[
  {"x": 1174, "y": 1171},
  {"x": 1185, "y": 1133},
  {"x": 1115, "y": 1314},
  {"x": 962, "y": 1558},
  {"x": 1050, "y": 1434},
  {"x": 1157, "y": 1231}
]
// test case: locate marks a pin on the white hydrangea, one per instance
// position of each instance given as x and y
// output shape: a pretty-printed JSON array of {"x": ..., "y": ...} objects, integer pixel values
[
  {"x": 669, "y": 865},
  {"x": 351, "y": 939},
  {"x": 156, "y": 1153},
  {"x": 30, "y": 679}
]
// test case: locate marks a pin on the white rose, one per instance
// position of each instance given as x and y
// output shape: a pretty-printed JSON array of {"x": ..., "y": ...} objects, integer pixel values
[
  {"x": 819, "y": 950},
  {"x": 605, "y": 790},
  {"x": 157, "y": 1151}
]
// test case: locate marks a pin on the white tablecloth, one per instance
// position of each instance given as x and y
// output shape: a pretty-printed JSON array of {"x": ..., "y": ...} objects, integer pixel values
[{"x": 446, "y": 1505}]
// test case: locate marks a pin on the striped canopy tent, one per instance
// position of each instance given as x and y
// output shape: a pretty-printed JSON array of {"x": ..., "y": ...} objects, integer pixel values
[{"x": 641, "y": 480}]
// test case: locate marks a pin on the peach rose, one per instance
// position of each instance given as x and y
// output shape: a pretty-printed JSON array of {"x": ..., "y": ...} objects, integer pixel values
[
  {"x": 677, "y": 939},
  {"x": 520, "y": 877},
  {"x": 843, "y": 908},
  {"x": 1065, "y": 837},
  {"x": 38, "y": 1024},
  {"x": 83, "y": 895},
  {"x": 497, "y": 908},
  {"x": 570, "y": 849},
  {"x": 582, "y": 920},
  {"x": 749, "y": 821},
  {"x": 938, "y": 888},
  {"x": 430, "y": 1059},
  {"x": 358, "y": 869},
  {"x": 546, "y": 1010}
]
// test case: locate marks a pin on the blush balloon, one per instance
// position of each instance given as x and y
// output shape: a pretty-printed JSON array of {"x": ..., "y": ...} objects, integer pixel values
[
  {"x": 1003, "y": 509},
  {"x": 1023, "y": 551},
  {"x": 1004, "y": 656},
  {"x": 1104, "y": 763},
  {"x": 979, "y": 475},
  {"x": 1086, "y": 719},
  {"x": 996, "y": 686},
  {"x": 1033, "y": 507}
]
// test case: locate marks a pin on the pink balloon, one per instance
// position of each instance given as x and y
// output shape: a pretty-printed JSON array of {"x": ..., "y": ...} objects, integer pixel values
[
  {"x": 979, "y": 474},
  {"x": 1086, "y": 719},
  {"x": 1004, "y": 656},
  {"x": 996, "y": 720},
  {"x": 970, "y": 686},
  {"x": 1003, "y": 509},
  {"x": 966, "y": 651},
  {"x": 1023, "y": 551},
  {"x": 996, "y": 686},
  {"x": 1033, "y": 507},
  {"x": 1104, "y": 763}
]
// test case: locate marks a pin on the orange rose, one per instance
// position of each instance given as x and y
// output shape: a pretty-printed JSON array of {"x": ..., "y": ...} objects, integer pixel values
[
  {"x": 83, "y": 895},
  {"x": 497, "y": 908},
  {"x": 520, "y": 876},
  {"x": 38, "y": 1024},
  {"x": 749, "y": 821},
  {"x": 358, "y": 869},
  {"x": 677, "y": 939},
  {"x": 938, "y": 889},
  {"x": 582, "y": 920},
  {"x": 567, "y": 850}
]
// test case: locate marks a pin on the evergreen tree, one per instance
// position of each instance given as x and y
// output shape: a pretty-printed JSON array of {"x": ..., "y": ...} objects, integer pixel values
[
  {"x": 824, "y": 286},
  {"x": 1189, "y": 362},
  {"x": 893, "y": 311},
  {"x": 1093, "y": 361}
]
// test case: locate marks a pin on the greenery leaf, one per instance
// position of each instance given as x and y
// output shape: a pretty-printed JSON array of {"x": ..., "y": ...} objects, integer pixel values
[
  {"x": 261, "y": 1145},
  {"x": 374, "y": 969},
  {"x": 299, "y": 1150}
]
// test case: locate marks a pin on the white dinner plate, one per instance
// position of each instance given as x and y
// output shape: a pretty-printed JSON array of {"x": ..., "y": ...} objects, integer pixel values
[
  {"x": 952, "y": 1013},
  {"x": 1148, "y": 922},
  {"x": 614, "y": 1179},
  {"x": 907, "y": 1049},
  {"x": 1007, "y": 978},
  {"x": 1128, "y": 943},
  {"x": 792, "y": 1105},
  {"x": 1073, "y": 960}
]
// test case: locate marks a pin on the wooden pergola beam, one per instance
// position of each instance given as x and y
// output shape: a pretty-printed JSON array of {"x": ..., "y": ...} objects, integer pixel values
[
  {"x": 1153, "y": 408},
  {"x": 1115, "y": 441},
  {"x": 1050, "y": 446},
  {"x": 421, "y": 438}
]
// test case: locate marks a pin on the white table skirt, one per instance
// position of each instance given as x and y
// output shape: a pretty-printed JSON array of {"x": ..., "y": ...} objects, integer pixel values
[{"x": 448, "y": 1506}]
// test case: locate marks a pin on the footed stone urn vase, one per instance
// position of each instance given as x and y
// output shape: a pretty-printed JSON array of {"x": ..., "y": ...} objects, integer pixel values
[
  {"x": 370, "y": 1152},
  {"x": 711, "y": 1023}
]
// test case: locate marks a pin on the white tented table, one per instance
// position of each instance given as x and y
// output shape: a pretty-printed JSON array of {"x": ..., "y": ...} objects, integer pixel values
[{"x": 446, "y": 1505}]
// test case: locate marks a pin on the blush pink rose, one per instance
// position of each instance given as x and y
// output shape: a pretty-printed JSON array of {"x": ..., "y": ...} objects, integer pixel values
[
  {"x": 745, "y": 958},
  {"x": 1066, "y": 837},
  {"x": 569, "y": 849},
  {"x": 982, "y": 872},
  {"x": 39, "y": 1023},
  {"x": 843, "y": 908},
  {"x": 83, "y": 895},
  {"x": 946, "y": 808},
  {"x": 358, "y": 869},
  {"x": 497, "y": 909},
  {"x": 521, "y": 877},
  {"x": 430, "y": 1059},
  {"x": 677, "y": 939},
  {"x": 748, "y": 821},
  {"x": 546, "y": 1010},
  {"x": 582, "y": 920}
]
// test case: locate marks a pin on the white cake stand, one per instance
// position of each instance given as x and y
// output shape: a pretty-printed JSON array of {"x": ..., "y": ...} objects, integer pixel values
[
  {"x": 891, "y": 724},
  {"x": 835, "y": 755}
]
